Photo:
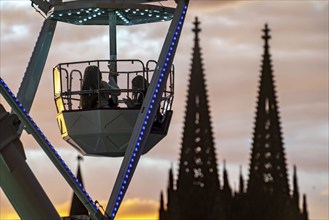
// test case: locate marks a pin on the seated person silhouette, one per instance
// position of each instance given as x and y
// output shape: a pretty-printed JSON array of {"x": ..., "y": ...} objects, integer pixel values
[
  {"x": 139, "y": 87},
  {"x": 92, "y": 76}
]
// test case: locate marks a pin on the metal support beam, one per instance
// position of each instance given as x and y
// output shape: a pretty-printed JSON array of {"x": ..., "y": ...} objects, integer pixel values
[
  {"x": 148, "y": 110},
  {"x": 50, "y": 151},
  {"x": 113, "y": 49},
  {"x": 113, "y": 42},
  {"x": 32, "y": 76},
  {"x": 43, "y": 5},
  {"x": 16, "y": 178}
]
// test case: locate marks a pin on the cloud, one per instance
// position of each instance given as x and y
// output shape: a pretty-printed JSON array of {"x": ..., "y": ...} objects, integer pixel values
[
  {"x": 325, "y": 192},
  {"x": 63, "y": 209},
  {"x": 7, "y": 212},
  {"x": 232, "y": 50},
  {"x": 8, "y": 215},
  {"x": 203, "y": 5},
  {"x": 137, "y": 208}
]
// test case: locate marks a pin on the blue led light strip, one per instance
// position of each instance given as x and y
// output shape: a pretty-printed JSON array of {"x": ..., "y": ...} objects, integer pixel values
[
  {"x": 149, "y": 110},
  {"x": 49, "y": 150}
]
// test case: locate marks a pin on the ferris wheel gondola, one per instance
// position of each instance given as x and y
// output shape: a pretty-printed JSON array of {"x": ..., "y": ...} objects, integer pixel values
[{"x": 88, "y": 116}]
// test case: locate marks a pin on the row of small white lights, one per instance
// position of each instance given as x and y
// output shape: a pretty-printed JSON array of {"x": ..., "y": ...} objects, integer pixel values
[
  {"x": 141, "y": 12},
  {"x": 93, "y": 13},
  {"x": 122, "y": 17}
]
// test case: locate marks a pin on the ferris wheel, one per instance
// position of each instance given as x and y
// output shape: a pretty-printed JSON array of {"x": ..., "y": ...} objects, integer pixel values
[{"x": 111, "y": 107}]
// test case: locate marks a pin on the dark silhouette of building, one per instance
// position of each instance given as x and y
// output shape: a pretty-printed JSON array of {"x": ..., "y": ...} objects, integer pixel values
[
  {"x": 197, "y": 192},
  {"x": 77, "y": 208},
  {"x": 268, "y": 185}
]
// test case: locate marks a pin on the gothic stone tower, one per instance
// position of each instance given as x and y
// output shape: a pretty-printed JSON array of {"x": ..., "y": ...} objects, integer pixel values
[
  {"x": 268, "y": 192},
  {"x": 195, "y": 193}
]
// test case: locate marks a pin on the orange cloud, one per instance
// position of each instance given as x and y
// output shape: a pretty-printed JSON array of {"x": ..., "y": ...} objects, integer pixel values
[
  {"x": 63, "y": 208},
  {"x": 138, "y": 209},
  {"x": 131, "y": 209},
  {"x": 8, "y": 215},
  {"x": 134, "y": 209},
  {"x": 325, "y": 192}
]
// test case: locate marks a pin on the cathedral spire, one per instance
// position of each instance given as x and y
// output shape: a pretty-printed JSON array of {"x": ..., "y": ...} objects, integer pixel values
[
  {"x": 241, "y": 182},
  {"x": 77, "y": 208},
  {"x": 162, "y": 210},
  {"x": 197, "y": 160},
  {"x": 304, "y": 211},
  {"x": 268, "y": 185},
  {"x": 268, "y": 163},
  {"x": 171, "y": 179},
  {"x": 197, "y": 181},
  {"x": 295, "y": 194},
  {"x": 161, "y": 202},
  {"x": 226, "y": 185}
]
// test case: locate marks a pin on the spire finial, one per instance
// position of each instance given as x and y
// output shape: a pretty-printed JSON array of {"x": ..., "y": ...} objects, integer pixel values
[
  {"x": 196, "y": 29},
  {"x": 266, "y": 31}
]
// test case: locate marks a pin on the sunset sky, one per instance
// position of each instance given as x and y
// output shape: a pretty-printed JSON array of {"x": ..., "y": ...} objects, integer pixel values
[{"x": 232, "y": 48}]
